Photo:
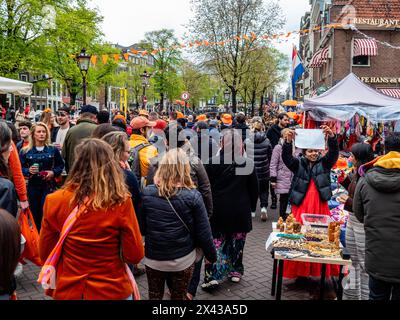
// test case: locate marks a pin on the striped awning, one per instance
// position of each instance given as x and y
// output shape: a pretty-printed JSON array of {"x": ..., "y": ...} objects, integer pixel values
[
  {"x": 365, "y": 47},
  {"x": 393, "y": 92},
  {"x": 320, "y": 58}
]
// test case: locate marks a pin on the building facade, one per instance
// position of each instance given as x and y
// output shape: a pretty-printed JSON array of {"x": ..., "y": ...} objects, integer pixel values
[{"x": 368, "y": 46}]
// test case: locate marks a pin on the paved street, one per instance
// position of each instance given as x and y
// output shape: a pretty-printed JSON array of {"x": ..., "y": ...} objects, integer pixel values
[{"x": 255, "y": 285}]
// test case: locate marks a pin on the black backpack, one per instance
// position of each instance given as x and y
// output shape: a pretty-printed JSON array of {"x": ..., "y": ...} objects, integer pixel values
[{"x": 134, "y": 160}]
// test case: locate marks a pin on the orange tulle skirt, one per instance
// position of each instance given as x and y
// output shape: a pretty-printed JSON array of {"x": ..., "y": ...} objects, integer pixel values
[{"x": 311, "y": 204}]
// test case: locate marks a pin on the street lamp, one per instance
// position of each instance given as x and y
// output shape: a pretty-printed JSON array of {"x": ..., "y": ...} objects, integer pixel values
[
  {"x": 227, "y": 97},
  {"x": 83, "y": 60},
  {"x": 145, "y": 83}
]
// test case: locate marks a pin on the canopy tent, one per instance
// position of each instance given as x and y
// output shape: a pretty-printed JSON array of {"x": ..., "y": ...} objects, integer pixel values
[
  {"x": 290, "y": 103},
  {"x": 351, "y": 96},
  {"x": 16, "y": 87}
]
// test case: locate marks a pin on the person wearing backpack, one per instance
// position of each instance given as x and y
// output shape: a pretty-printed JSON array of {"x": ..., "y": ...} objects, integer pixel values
[{"x": 141, "y": 149}]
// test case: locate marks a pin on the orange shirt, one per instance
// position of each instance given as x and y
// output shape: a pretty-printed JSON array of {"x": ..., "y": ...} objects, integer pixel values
[
  {"x": 92, "y": 264},
  {"x": 17, "y": 176}
]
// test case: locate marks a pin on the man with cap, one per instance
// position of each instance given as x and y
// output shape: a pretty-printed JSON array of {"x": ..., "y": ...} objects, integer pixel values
[
  {"x": 141, "y": 127},
  {"x": 86, "y": 124},
  {"x": 144, "y": 113},
  {"x": 58, "y": 134},
  {"x": 227, "y": 121}
]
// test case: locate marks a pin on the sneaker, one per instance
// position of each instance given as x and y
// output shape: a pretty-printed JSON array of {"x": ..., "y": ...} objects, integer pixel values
[
  {"x": 235, "y": 279},
  {"x": 274, "y": 206},
  {"x": 211, "y": 285},
  {"x": 253, "y": 214},
  {"x": 264, "y": 215},
  {"x": 18, "y": 270}
]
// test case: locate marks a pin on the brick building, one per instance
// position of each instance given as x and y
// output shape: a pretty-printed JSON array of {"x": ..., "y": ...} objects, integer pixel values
[{"x": 331, "y": 54}]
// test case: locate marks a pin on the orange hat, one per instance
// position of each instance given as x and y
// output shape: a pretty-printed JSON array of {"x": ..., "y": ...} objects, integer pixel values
[
  {"x": 227, "y": 119},
  {"x": 202, "y": 117},
  {"x": 141, "y": 122},
  {"x": 144, "y": 113},
  {"x": 179, "y": 115},
  {"x": 121, "y": 117}
]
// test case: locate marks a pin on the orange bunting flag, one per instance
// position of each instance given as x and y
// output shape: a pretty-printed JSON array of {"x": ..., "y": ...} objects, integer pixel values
[
  {"x": 198, "y": 43},
  {"x": 183, "y": 45},
  {"x": 191, "y": 44},
  {"x": 206, "y": 43},
  {"x": 134, "y": 51},
  {"x": 237, "y": 38},
  {"x": 126, "y": 56},
  {"x": 288, "y": 35},
  {"x": 104, "y": 57},
  {"x": 265, "y": 37},
  {"x": 144, "y": 53},
  {"x": 116, "y": 57},
  {"x": 246, "y": 37},
  {"x": 93, "y": 60},
  {"x": 253, "y": 36},
  {"x": 154, "y": 52}
]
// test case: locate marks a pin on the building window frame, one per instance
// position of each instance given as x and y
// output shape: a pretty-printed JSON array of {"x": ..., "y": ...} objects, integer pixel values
[{"x": 361, "y": 65}]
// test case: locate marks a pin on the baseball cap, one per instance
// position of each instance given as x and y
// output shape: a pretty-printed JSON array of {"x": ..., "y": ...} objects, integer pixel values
[
  {"x": 227, "y": 119},
  {"x": 89, "y": 109},
  {"x": 179, "y": 115},
  {"x": 143, "y": 112},
  {"x": 64, "y": 109},
  {"x": 202, "y": 117},
  {"x": 141, "y": 122}
]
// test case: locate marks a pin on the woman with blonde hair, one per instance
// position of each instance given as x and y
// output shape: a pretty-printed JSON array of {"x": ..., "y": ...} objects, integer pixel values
[
  {"x": 105, "y": 234},
  {"x": 41, "y": 165},
  {"x": 175, "y": 224}
]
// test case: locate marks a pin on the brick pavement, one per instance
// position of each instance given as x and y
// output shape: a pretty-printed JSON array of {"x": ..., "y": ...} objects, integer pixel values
[{"x": 255, "y": 285}]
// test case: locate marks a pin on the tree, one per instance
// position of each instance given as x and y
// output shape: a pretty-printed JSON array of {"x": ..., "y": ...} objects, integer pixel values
[
  {"x": 236, "y": 20},
  {"x": 268, "y": 70},
  {"x": 76, "y": 28},
  {"x": 166, "y": 62},
  {"x": 22, "y": 26}
]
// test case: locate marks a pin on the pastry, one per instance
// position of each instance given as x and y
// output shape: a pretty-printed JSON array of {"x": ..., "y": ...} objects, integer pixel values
[{"x": 297, "y": 227}]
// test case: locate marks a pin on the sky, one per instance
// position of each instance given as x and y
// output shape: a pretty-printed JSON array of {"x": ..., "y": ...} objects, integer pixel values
[{"x": 126, "y": 21}]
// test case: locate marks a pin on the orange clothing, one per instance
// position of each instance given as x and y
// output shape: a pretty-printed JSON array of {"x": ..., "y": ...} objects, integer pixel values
[
  {"x": 92, "y": 264},
  {"x": 145, "y": 155},
  {"x": 17, "y": 176}
]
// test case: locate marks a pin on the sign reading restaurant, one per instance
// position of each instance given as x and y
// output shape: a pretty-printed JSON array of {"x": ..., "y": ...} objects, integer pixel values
[
  {"x": 380, "y": 80},
  {"x": 377, "y": 22}
]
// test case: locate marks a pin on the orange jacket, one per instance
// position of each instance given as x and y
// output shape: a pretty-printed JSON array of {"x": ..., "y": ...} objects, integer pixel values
[
  {"x": 92, "y": 264},
  {"x": 17, "y": 176}
]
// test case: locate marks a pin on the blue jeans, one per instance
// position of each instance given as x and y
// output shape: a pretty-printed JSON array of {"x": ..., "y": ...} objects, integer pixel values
[{"x": 383, "y": 291}]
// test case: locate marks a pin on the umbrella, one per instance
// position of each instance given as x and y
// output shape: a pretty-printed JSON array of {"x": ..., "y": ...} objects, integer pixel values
[{"x": 290, "y": 103}]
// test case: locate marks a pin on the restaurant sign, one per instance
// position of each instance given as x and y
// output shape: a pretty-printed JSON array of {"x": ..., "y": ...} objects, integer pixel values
[
  {"x": 378, "y": 22},
  {"x": 379, "y": 80}
]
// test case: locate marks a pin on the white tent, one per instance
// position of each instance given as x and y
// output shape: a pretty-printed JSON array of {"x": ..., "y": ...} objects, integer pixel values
[
  {"x": 351, "y": 96},
  {"x": 16, "y": 87}
]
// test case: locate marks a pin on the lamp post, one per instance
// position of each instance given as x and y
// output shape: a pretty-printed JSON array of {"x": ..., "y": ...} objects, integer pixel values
[
  {"x": 227, "y": 97},
  {"x": 145, "y": 83},
  {"x": 83, "y": 60}
]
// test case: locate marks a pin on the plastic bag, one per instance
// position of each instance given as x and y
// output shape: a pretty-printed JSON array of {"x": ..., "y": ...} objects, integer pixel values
[{"x": 31, "y": 235}]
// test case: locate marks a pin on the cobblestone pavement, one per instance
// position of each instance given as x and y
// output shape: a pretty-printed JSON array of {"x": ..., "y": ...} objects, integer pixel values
[{"x": 255, "y": 285}]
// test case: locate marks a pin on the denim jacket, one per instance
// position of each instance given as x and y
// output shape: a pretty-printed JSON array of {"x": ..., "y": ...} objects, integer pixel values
[{"x": 48, "y": 160}]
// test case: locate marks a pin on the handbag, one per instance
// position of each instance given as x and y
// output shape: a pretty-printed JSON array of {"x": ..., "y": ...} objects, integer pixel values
[
  {"x": 199, "y": 251},
  {"x": 31, "y": 235},
  {"x": 47, "y": 276}
]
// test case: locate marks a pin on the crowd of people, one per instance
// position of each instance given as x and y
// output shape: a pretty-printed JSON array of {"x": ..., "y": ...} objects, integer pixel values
[{"x": 177, "y": 192}]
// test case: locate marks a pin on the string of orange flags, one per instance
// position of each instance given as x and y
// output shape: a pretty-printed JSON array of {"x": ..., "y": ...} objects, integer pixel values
[{"x": 281, "y": 37}]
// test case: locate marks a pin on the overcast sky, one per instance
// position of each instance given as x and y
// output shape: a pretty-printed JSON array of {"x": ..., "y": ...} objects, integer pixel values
[{"x": 126, "y": 21}]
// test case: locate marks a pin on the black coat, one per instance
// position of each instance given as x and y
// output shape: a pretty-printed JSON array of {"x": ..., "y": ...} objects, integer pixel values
[
  {"x": 259, "y": 149},
  {"x": 133, "y": 187},
  {"x": 274, "y": 135},
  {"x": 320, "y": 172},
  {"x": 242, "y": 127},
  {"x": 166, "y": 236},
  {"x": 235, "y": 194},
  {"x": 8, "y": 197},
  {"x": 376, "y": 203}
]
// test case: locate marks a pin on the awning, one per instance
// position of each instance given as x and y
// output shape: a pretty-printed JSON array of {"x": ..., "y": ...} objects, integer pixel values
[
  {"x": 319, "y": 58},
  {"x": 395, "y": 93},
  {"x": 16, "y": 87},
  {"x": 365, "y": 47}
]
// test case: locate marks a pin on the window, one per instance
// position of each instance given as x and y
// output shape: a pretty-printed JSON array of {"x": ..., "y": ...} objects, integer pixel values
[{"x": 361, "y": 61}]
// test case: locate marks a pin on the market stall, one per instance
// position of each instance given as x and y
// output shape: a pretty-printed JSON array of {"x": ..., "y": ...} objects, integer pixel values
[{"x": 18, "y": 88}]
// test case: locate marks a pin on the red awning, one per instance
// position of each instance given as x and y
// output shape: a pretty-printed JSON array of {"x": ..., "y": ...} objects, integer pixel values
[
  {"x": 394, "y": 92},
  {"x": 365, "y": 47},
  {"x": 320, "y": 58}
]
